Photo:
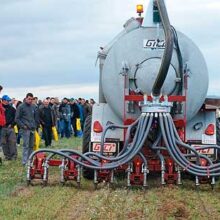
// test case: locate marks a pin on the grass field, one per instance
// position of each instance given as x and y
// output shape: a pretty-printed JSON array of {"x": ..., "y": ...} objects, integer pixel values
[{"x": 17, "y": 201}]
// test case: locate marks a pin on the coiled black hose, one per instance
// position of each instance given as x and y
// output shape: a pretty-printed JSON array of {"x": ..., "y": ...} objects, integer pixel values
[{"x": 168, "y": 52}]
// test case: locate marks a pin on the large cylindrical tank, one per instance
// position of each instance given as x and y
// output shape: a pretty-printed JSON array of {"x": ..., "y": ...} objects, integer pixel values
[{"x": 143, "y": 64}]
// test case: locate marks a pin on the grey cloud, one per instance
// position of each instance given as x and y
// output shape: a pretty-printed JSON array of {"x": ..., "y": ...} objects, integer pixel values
[{"x": 45, "y": 42}]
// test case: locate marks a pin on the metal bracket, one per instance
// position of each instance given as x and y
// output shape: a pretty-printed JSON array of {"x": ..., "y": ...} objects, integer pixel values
[{"x": 125, "y": 68}]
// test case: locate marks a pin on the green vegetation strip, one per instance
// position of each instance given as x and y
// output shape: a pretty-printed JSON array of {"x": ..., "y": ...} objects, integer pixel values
[{"x": 67, "y": 202}]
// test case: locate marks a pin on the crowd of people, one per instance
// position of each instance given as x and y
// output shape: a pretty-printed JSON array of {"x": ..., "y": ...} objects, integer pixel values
[{"x": 31, "y": 115}]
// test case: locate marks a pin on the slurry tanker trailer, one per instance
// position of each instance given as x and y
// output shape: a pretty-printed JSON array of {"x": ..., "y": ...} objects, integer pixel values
[{"x": 153, "y": 116}]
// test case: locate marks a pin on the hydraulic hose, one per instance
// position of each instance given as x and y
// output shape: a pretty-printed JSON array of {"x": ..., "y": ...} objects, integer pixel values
[
  {"x": 171, "y": 140},
  {"x": 157, "y": 149},
  {"x": 187, "y": 165},
  {"x": 170, "y": 135},
  {"x": 111, "y": 126},
  {"x": 168, "y": 52},
  {"x": 155, "y": 144},
  {"x": 121, "y": 155},
  {"x": 87, "y": 155},
  {"x": 179, "y": 160},
  {"x": 147, "y": 121},
  {"x": 174, "y": 148},
  {"x": 143, "y": 158},
  {"x": 178, "y": 140},
  {"x": 137, "y": 138},
  {"x": 213, "y": 168},
  {"x": 201, "y": 156}
]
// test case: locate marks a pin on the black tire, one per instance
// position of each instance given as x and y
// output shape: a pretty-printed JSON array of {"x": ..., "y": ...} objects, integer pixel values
[
  {"x": 86, "y": 134},
  {"x": 218, "y": 137},
  {"x": 87, "y": 173},
  {"x": 218, "y": 130}
]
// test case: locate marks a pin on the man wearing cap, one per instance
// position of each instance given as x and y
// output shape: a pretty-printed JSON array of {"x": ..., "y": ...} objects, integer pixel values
[
  {"x": 8, "y": 136},
  {"x": 27, "y": 119}
]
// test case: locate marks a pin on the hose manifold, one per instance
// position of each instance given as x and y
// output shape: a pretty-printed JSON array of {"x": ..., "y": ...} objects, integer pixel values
[{"x": 156, "y": 106}]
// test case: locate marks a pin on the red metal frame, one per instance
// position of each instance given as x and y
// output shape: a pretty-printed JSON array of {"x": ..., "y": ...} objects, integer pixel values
[
  {"x": 137, "y": 177},
  {"x": 37, "y": 171},
  {"x": 139, "y": 98},
  {"x": 71, "y": 172},
  {"x": 171, "y": 175},
  {"x": 154, "y": 165}
]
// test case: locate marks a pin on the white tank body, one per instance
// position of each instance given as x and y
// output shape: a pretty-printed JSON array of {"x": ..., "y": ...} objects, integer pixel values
[{"x": 143, "y": 64}]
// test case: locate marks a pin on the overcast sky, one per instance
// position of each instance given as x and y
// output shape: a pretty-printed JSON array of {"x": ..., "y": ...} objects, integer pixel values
[{"x": 49, "y": 47}]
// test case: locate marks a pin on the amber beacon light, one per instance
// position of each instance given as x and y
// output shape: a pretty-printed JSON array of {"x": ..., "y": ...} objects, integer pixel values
[{"x": 140, "y": 9}]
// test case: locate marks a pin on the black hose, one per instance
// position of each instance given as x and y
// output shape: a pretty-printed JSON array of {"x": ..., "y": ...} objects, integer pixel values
[
  {"x": 193, "y": 168},
  {"x": 201, "y": 156},
  {"x": 179, "y": 160},
  {"x": 179, "y": 54},
  {"x": 183, "y": 144},
  {"x": 143, "y": 158},
  {"x": 129, "y": 148},
  {"x": 179, "y": 141},
  {"x": 147, "y": 121},
  {"x": 156, "y": 149},
  {"x": 174, "y": 147},
  {"x": 168, "y": 51},
  {"x": 196, "y": 154},
  {"x": 111, "y": 126},
  {"x": 170, "y": 134},
  {"x": 170, "y": 137}
]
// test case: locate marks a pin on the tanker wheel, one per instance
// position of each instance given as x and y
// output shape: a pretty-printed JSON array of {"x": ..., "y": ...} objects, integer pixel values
[
  {"x": 218, "y": 136},
  {"x": 87, "y": 173}
]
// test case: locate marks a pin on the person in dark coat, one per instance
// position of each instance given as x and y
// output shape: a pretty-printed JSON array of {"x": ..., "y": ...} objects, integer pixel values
[
  {"x": 81, "y": 111},
  {"x": 75, "y": 113},
  {"x": 1, "y": 110},
  {"x": 55, "y": 107},
  {"x": 47, "y": 120},
  {"x": 87, "y": 110},
  {"x": 65, "y": 118},
  {"x": 27, "y": 118},
  {"x": 8, "y": 137},
  {"x": 18, "y": 135}
]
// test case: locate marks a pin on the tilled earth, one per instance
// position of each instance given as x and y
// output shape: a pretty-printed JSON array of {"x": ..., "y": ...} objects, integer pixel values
[
  {"x": 69, "y": 202},
  {"x": 17, "y": 201}
]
